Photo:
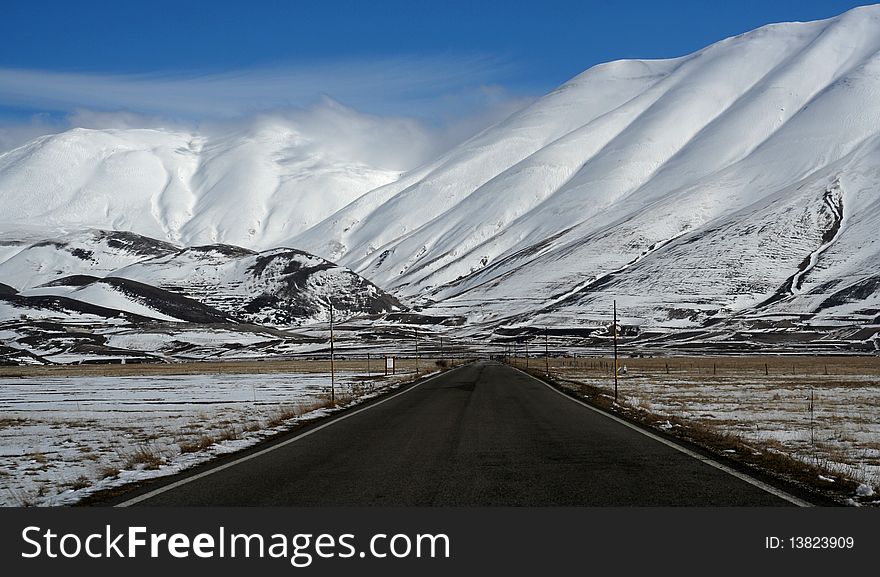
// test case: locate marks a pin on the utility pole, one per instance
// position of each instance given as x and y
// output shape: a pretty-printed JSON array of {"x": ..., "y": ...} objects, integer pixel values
[
  {"x": 332, "y": 362},
  {"x": 546, "y": 351},
  {"x": 614, "y": 329},
  {"x": 812, "y": 433}
]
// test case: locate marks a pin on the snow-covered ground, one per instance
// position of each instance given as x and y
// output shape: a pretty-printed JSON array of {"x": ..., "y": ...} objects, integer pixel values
[
  {"x": 772, "y": 411},
  {"x": 63, "y": 438}
]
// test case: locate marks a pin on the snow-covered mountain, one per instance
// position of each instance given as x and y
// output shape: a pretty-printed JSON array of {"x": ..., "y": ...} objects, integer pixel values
[
  {"x": 734, "y": 185},
  {"x": 127, "y": 273},
  {"x": 255, "y": 186},
  {"x": 745, "y": 176},
  {"x": 96, "y": 295}
]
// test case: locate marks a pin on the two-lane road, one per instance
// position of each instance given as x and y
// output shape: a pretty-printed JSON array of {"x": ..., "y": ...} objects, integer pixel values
[{"x": 482, "y": 434}]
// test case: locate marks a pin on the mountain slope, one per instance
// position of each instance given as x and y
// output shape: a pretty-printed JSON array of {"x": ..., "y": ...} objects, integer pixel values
[
  {"x": 253, "y": 187},
  {"x": 686, "y": 188},
  {"x": 723, "y": 188},
  {"x": 140, "y": 276}
]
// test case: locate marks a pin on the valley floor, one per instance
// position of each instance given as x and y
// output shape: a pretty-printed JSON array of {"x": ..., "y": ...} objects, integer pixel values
[
  {"x": 823, "y": 411},
  {"x": 66, "y": 432}
]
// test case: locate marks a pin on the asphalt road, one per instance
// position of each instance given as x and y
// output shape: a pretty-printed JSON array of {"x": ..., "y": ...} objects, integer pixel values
[{"x": 482, "y": 434}]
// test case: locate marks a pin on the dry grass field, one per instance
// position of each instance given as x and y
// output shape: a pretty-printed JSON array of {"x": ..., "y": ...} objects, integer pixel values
[
  {"x": 374, "y": 366},
  {"x": 67, "y": 431},
  {"x": 820, "y": 410}
]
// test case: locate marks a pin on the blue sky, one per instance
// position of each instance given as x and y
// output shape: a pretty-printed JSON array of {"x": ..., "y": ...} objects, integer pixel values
[{"x": 65, "y": 62}]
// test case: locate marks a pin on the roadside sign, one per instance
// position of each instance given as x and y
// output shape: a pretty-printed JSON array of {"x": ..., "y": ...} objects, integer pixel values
[{"x": 389, "y": 365}]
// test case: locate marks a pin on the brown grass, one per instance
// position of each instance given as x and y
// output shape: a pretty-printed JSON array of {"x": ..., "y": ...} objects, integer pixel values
[
  {"x": 285, "y": 413},
  {"x": 360, "y": 365},
  {"x": 791, "y": 367},
  {"x": 281, "y": 414},
  {"x": 108, "y": 471},
  {"x": 80, "y": 482},
  {"x": 770, "y": 456},
  {"x": 197, "y": 445},
  {"x": 7, "y": 422},
  {"x": 144, "y": 455},
  {"x": 229, "y": 434}
]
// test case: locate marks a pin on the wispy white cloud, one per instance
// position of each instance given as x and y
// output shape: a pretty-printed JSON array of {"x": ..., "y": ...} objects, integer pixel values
[
  {"x": 410, "y": 86},
  {"x": 393, "y": 113},
  {"x": 15, "y": 133}
]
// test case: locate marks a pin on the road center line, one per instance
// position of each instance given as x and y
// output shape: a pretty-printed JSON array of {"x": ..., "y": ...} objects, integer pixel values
[{"x": 730, "y": 471}]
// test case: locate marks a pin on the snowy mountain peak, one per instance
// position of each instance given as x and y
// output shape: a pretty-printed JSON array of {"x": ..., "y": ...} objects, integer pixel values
[
  {"x": 735, "y": 183},
  {"x": 252, "y": 187},
  {"x": 687, "y": 189}
]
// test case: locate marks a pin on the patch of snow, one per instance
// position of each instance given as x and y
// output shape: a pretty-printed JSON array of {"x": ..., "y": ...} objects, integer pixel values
[
  {"x": 58, "y": 433},
  {"x": 864, "y": 491}
]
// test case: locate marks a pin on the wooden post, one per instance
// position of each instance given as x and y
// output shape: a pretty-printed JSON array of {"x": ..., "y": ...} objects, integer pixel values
[
  {"x": 766, "y": 370},
  {"x": 614, "y": 329},
  {"x": 527, "y": 354},
  {"x": 332, "y": 362},
  {"x": 546, "y": 351},
  {"x": 812, "y": 434}
]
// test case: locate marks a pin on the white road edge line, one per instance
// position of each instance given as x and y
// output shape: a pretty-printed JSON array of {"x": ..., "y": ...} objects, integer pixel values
[
  {"x": 217, "y": 469},
  {"x": 742, "y": 476}
]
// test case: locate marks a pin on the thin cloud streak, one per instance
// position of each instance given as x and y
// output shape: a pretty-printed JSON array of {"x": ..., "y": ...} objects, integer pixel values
[
  {"x": 400, "y": 86},
  {"x": 392, "y": 113}
]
